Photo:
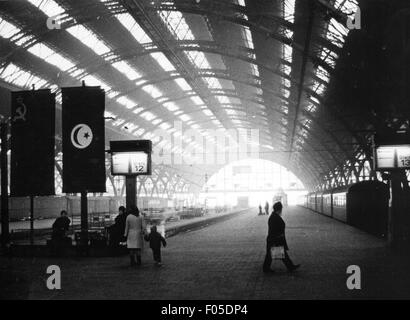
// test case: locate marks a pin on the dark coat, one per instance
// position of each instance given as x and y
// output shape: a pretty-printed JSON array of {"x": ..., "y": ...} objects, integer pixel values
[
  {"x": 60, "y": 227},
  {"x": 120, "y": 223},
  {"x": 276, "y": 232},
  {"x": 155, "y": 239}
]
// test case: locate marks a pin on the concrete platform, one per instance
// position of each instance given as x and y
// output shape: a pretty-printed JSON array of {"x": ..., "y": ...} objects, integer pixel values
[
  {"x": 224, "y": 261},
  {"x": 39, "y": 248}
]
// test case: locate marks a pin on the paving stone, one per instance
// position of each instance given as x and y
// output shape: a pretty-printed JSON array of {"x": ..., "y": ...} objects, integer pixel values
[{"x": 224, "y": 261}]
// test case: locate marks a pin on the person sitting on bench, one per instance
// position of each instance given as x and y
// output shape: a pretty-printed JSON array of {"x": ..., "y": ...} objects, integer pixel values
[{"x": 61, "y": 226}]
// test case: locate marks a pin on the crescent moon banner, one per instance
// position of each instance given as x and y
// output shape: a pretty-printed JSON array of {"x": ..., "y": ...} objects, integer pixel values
[{"x": 83, "y": 139}]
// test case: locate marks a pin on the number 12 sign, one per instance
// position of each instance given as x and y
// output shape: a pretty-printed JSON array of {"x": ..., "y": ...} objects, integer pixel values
[{"x": 131, "y": 158}]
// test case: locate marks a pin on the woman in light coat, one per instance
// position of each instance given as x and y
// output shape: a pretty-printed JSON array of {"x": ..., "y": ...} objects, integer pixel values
[{"x": 134, "y": 232}]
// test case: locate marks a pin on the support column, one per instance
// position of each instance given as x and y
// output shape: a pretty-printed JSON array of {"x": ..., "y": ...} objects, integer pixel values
[
  {"x": 130, "y": 191},
  {"x": 5, "y": 233},
  {"x": 84, "y": 219},
  {"x": 395, "y": 221}
]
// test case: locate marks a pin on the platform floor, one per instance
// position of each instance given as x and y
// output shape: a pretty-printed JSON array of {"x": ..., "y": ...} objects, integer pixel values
[{"x": 224, "y": 261}]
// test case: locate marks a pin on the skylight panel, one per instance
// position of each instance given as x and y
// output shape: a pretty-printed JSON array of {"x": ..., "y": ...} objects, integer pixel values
[
  {"x": 230, "y": 112},
  {"x": 141, "y": 82},
  {"x": 127, "y": 70},
  {"x": 223, "y": 99},
  {"x": 314, "y": 99},
  {"x": 112, "y": 94},
  {"x": 49, "y": 55},
  {"x": 89, "y": 39},
  {"x": 329, "y": 57},
  {"x": 311, "y": 108},
  {"x": 213, "y": 83},
  {"x": 49, "y": 7},
  {"x": 336, "y": 33},
  {"x": 286, "y": 69},
  {"x": 153, "y": 91},
  {"x": 198, "y": 59},
  {"x": 322, "y": 74},
  {"x": 171, "y": 106},
  {"x": 208, "y": 112},
  {"x": 118, "y": 122},
  {"x": 347, "y": 6},
  {"x": 318, "y": 87},
  {"x": 148, "y": 116},
  {"x": 139, "y": 132},
  {"x": 181, "y": 82},
  {"x": 129, "y": 104},
  {"x": 138, "y": 110},
  {"x": 134, "y": 28},
  {"x": 8, "y": 30},
  {"x": 165, "y": 126},
  {"x": 197, "y": 100},
  {"x": 21, "y": 78},
  {"x": 286, "y": 82},
  {"x": 287, "y": 53},
  {"x": 163, "y": 61},
  {"x": 184, "y": 117},
  {"x": 289, "y": 10},
  {"x": 176, "y": 23},
  {"x": 247, "y": 35}
]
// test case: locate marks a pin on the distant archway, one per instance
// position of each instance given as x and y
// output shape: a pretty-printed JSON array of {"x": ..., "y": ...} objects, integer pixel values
[{"x": 251, "y": 182}]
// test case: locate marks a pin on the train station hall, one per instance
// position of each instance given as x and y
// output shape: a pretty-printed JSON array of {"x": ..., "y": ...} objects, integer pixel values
[{"x": 183, "y": 150}]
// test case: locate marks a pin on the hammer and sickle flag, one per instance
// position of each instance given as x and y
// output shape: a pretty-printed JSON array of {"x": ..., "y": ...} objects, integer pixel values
[
  {"x": 83, "y": 139},
  {"x": 32, "y": 143}
]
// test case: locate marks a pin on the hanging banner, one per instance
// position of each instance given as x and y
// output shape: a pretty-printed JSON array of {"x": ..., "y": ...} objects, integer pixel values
[
  {"x": 83, "y": 139},
  {"x": 32, "y": 143}
]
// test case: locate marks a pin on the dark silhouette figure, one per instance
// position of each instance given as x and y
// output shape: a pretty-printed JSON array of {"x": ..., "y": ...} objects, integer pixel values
[
  {"x": 276, "y": 237},
  {"x": 59, "y": 240},
  {"x": 61, "y": 226},
  {"x": 117, "y": 229},
  {"x": 155, "y": 240},
  {"x": 267, "y": 208},
  {"x": 260, "y": 210}
]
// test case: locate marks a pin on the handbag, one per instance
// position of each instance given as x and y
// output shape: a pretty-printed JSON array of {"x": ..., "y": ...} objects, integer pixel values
[{"x": 277, "y": 253}]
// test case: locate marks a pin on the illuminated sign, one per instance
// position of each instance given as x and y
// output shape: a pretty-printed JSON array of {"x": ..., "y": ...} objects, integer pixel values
[
  {"x": 131, "y": 158},
  {"x": 129, "y": 163},
  {"x": 392, "y": 157}
]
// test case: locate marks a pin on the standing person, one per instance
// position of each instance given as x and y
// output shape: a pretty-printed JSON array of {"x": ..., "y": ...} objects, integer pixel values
[
  {"x": 276, "y": 237},
  {"x": 155, "y": 240},
  {"x": 134, "y": 230},
  {"x": 267, "y": 208},
  {"x": 117, "y": 229},
  {"x": 260, "y": 210}
]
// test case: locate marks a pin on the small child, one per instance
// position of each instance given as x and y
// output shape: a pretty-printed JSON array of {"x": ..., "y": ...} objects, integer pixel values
[{"x": 155, "y": 239}]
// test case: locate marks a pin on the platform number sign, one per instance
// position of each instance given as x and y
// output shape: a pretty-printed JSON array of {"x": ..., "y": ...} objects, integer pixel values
[
  {"x": 131, "y": 158},
  {"x": 403, "y": 157},
  {"x": 391, "y": 151},
  {"x": 392, "y": 157},
  {"x": 129, "y": 163}
]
